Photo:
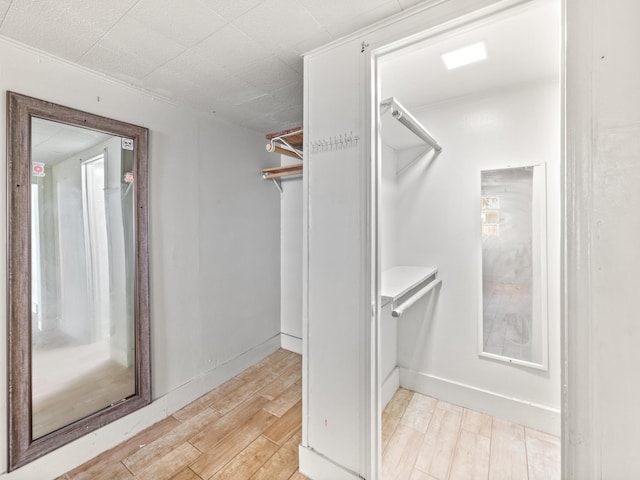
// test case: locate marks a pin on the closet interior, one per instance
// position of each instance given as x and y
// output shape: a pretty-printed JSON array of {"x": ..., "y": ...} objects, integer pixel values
[{"x": 468, "y": 216}]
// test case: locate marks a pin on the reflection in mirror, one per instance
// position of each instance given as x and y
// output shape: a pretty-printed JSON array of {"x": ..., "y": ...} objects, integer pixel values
[
  {"x": 513, "y": 265},
  {"x": 78, "y": 290},
  {"x": 81, "y": 271}
]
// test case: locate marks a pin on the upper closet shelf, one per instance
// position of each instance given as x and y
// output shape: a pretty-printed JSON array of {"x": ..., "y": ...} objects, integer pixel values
[
  {"x": 287, "y": 143},
  {"x": 402, "y": 130},
  {"x": 403, "y": 286}
]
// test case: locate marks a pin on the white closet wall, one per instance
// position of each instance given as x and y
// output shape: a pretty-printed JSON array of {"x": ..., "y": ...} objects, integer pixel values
[
  {"x": 291, "y": 259},
  {"x": 603, "y": 234},
  {"x": 437, "y": 223},
  {"x": 388, "y": 213},
  {"x": 388, "y": 231}
]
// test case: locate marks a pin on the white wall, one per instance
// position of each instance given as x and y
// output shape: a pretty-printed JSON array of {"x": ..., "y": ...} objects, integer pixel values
[
  {"x": 214, "y": 244},
  {"x": 335, "y": 292},
  {"x": 291, "y": 259},
  {"x": 603, "y": 234},
  {"x": 438, "y": 219},
  {"x": 388, "y": 209},
  {"x": 388, "y": 223}
]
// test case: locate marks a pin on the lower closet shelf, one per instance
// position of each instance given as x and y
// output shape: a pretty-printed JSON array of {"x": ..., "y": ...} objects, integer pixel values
[{"x": 402, "y": 286}]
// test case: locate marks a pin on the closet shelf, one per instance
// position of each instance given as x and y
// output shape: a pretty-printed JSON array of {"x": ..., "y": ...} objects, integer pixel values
[
  {"x": 288, "y": 142},
  {"x": 400, "y": 285}
]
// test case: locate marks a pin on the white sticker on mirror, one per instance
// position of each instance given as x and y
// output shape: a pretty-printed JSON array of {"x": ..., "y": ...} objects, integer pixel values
[{"x": 127, "y": 144}]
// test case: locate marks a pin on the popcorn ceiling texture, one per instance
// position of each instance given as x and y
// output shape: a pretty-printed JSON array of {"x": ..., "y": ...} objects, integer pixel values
[{"x": 237, "y": 60}]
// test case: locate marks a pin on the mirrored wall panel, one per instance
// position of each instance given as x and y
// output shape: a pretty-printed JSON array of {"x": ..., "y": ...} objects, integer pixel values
[
  {"x": 514, "y": 317},
  {"x": 82, "y": 273},
  {"x": 78, "y": 294}
]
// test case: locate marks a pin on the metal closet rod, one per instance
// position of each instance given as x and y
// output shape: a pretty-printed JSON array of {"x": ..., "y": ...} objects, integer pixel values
[
  {"x": 404, "y": 117},
  {"x": 399, "y": 310}
]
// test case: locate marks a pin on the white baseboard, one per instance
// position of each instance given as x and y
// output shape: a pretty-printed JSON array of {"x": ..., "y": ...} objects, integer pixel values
[
  {"x": 318, "y": 467},
  {"x": 291, "y": 343},
  {"x": 207, "y": 381},
  {"x": 538, "y": 417},
  {"x": 85, "y": 448},
  {"x": 389, "y": 386}
]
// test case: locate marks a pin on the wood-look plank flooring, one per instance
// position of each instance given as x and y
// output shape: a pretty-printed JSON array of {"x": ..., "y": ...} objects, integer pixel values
[
  {"x": 428, "y": 439},
  {"x": 249, "y": 428}
]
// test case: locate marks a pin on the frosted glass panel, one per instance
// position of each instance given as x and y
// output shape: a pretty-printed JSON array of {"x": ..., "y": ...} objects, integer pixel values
[{"x": 512, "y": 219}]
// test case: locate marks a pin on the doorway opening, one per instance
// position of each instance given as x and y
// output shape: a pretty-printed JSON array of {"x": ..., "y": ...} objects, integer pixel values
[{"x": 468, "y": 247}]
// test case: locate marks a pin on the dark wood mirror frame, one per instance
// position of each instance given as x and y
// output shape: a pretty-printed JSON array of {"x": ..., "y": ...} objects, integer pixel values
[{"x": 20, "y": 110}]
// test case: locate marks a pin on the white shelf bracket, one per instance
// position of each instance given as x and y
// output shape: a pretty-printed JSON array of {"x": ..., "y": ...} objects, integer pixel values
[{"x": 276, "y": 182}]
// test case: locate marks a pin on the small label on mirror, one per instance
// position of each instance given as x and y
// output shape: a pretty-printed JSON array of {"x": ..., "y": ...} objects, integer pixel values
[
  {"x": 37, "y": 169},
  {"x": 127, "y": 144}
]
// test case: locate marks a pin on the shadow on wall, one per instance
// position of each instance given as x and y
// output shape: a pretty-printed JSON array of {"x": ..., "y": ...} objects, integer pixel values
[{"x": 417, "y": 327}]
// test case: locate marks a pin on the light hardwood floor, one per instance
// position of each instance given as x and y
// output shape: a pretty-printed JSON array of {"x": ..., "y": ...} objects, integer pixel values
[
  {"x": 427, "y": 439},
  {"x": 247, "y": 428},
  {"x": 250, "y": 428}
]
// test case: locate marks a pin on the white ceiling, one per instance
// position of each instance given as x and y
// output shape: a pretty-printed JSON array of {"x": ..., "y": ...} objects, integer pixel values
[
  {"x": 238, "y": 58},
  {"x": 522, "y": 46}
]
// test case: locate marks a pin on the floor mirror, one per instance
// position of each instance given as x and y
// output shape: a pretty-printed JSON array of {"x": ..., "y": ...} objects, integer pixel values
[{"x": 77, "y": 279}]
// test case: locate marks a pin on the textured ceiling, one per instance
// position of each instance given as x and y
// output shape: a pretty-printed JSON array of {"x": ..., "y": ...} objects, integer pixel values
[
  {"x": 237, "y": 58},
  {"x": 522, "y": 47}
]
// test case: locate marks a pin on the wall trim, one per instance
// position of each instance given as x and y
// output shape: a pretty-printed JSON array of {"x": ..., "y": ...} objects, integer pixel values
[
  {"x": 85, "y": 448},
  {"x": 291, "y": 343},
  {"x": 94, "y": 73},
  {"x": 317, "y": 466},
  {"x": 532, "y": 415}
]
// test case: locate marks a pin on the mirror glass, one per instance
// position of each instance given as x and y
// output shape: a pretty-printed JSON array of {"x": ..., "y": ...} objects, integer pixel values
[
  {"x": 513, "y": 221},
  {"x": 82, "y": 273}
]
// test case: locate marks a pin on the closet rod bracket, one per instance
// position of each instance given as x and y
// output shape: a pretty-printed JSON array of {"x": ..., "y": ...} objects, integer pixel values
[{"x": 276, "y": 182}]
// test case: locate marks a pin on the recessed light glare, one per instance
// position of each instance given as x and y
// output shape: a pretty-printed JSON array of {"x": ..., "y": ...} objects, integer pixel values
[{"x": 465, "y": 55}]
